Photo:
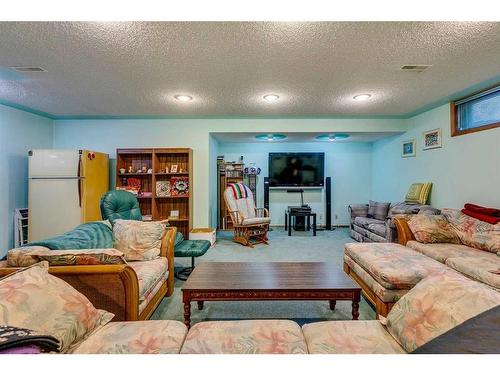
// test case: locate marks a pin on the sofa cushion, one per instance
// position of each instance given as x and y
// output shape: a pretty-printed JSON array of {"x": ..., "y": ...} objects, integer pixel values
[
  {"x": 373, "y": 237},
  {"x": 350, "y": 337},
  {"x": 432, "y": 229},
  {"x": 256, "y": 220},
  {"x": 360, "y": 230},
  {"x": 150, "y": 294},
  {"x": 23, "y": 257},
  {"x": 363, "y": 222},
  {"x": 484, "y": 268},
  {"x": 385, "y": 295},
  {"x": 245, "y": 337},
  {"x": 145, "y": 337},
  {"x": 139, "y": 240},
  {"x": 17, "y": 257},
  {"x": 93, "y": 235},
  {"x": 34, "y": 299},
  {"x": 378, "y": 210},
  {"x": 418, "y": 192},
  {"x": 443, "y": 251},
  {"x": 474, "y": 232},
  {"x": 435, "y": 305},
  {"x": 405, "y": 208},
  {"x": 377, "y": 228},
  {"x": 392, "y": 265},
  {"x": 150, "y": 273},
  {"x": 356, "y": 235}
]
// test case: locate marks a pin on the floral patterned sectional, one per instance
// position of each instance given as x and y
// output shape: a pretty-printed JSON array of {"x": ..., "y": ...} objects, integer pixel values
[
  {"x": 451, "y": 242},
  {"x": 34, "y": 299}
]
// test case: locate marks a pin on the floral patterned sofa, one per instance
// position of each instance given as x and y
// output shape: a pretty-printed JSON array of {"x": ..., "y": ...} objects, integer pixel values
[
  {"x": 450, "y": 240},
  {"x": 474, "y": 252},
  {"x": 436, "y": 305},
  {"x": 34, "y": 299},
  {"x": 131, "y": 290}
]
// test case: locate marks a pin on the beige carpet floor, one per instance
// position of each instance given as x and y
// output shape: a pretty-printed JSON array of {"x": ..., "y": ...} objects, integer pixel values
[{"x": 327, "y": 246}]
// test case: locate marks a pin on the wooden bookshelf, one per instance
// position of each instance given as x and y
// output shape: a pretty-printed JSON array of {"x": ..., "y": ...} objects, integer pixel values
[
  {"x": 158, "y": 159},
  {"x": 227, "y": 173}
]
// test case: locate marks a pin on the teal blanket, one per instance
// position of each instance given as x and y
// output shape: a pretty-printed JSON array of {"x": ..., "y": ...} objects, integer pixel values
[{"x": 93, "y": 235}]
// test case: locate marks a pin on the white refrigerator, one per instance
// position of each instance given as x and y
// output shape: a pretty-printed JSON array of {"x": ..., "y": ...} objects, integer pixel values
[{"x": 65, "y": 188}]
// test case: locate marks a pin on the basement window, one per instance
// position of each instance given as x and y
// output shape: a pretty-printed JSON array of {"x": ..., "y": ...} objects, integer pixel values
[{"x": 477, "y": 112}]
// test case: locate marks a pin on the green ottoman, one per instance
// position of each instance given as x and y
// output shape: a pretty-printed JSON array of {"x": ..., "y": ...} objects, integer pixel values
[{"x": 188, "y": 248}]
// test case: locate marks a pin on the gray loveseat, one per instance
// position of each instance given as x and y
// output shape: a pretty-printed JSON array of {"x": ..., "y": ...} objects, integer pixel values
[{"x": 369, "y": 229}]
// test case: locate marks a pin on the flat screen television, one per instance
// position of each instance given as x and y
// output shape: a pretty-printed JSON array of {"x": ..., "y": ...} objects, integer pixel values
[{"x": 296, "y": 169}]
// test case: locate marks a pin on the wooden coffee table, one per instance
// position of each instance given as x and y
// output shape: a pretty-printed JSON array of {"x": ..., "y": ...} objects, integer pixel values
[{"x": 228, "y": 281}]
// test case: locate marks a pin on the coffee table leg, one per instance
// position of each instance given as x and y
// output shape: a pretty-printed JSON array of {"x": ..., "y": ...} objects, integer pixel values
[
  {"x": 355, "y": 306},
  {"x": 187, "y": 314},
  {"x": 200, "y": 305},
  {"x": 332, "y": 304}
]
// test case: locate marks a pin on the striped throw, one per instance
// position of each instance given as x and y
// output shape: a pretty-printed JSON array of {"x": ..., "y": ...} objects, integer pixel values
[{"x": 239, "y": 190}]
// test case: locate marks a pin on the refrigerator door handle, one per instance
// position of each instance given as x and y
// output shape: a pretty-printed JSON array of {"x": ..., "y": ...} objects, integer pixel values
[{"x": 80, "y": 181}]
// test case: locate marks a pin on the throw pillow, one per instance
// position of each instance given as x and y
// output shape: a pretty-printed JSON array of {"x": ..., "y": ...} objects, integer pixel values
[
  {"x": 138, "y": 240},
  {"x": 435, "y": 305},
  {"x": 34, "y": 299},
  {"x": 17, "y": 256},
  {"x": 378, "y": 210},
  {"x": 23, "y": 257},
  {"x": 432, "y": 229},
  {"x": 418, "y": 193},
  {"x": 473, "y": 232}
]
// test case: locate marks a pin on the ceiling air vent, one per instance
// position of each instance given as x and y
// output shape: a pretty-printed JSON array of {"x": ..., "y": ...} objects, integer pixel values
[
  {"x": 415, "y": 68},
  {"x": 28, "y": 69}
]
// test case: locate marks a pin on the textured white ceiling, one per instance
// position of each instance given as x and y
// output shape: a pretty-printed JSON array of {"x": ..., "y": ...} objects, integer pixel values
[
  {"x": 135, "y": 68},
  {"x": 301, "y": 137}
]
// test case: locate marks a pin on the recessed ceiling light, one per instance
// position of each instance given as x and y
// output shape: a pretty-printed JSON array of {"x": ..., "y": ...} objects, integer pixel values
[
  {"x": 270, "y": 137},
  {"x": 183, "y": 98},
  {"x": 362, "y": 97},
  {"x": 271, "y": 97},
  {"x": 28, "y": 69},
  {"x": 332, "y": 137},
  {"x": 415, "y": 68}
]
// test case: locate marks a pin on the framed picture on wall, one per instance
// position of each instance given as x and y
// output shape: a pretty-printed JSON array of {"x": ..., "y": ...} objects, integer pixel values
[
  {"x": 432, "y": 139},
  {"x": 408, "y": 148}
]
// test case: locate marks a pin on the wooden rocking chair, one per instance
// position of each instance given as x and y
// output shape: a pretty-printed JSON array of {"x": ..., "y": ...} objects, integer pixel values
[{"x": 250, "y": 224}]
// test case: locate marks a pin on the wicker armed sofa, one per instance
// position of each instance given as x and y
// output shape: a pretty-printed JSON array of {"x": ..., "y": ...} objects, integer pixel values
[{"x": 130, "y": 290}]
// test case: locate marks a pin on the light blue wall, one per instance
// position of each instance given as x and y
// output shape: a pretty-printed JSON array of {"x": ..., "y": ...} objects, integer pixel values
[
  {"x": 212, "y": 183},
  {"x": 465, "y": 169},
  {"x": 349, "y": 165},
  {"x": 19, "y": 132}
]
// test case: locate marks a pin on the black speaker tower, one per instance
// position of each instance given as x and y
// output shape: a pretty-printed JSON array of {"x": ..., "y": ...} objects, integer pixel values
[
  {"x": 328, "y": 209},
  {"x": 266, "y": 193}
]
